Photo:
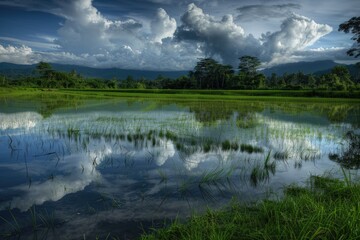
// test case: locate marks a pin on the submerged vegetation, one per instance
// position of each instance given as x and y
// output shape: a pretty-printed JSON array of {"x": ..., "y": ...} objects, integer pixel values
[
  {"x": 350, "y": 157},
  {"x": 326, "y": 209}
]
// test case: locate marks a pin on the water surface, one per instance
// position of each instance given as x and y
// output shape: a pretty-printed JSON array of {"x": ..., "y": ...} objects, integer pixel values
[{"x": 72, "y": 167}]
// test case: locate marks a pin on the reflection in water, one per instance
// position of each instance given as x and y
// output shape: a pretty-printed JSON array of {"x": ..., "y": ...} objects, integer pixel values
[
  {"x": 23, "y": 120},
  {"x": 142, "y": 161}
]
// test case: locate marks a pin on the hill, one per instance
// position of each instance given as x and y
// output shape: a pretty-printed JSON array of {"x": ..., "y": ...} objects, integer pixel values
[
  {"x": 15, "y": 70},
  {"x": 305, "y": 67},
  {"x": 317, "y": 68}
]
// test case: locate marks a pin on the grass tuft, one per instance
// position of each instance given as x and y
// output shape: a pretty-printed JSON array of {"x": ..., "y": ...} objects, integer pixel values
[{"x": 327, "y": 209}]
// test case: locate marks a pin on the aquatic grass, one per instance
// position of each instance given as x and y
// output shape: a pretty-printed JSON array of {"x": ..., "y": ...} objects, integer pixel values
[
  {"x": 247, "y": 122},
  {"x": 184, "y": 187},
  {"x": 262, "y": 173},
  {"x": 73, "y": 133},
  {"x": 163, "y": 176},
  {"x": 250, "y": 149},
  {"x": 226, "y": 145},
  {"x": 212, "y": 176},
  {"x": 303, "y": 213},
  {"x": 15, "y": 228},
  {"x": 33, "y": 217},
  {"x": 350, "y": 156},
  {"x": 149, "y": 135},
  {"x": 32, "y": 223},
  {"x": 281, "y": 155},
  {"x": 207, "y": 145},
  {"x": 309, "y": 154},
  {"x": 171, "y": 135},
  {"x": 179, "y": 146},
  {"x": 48, "y": 220},
  {"x": 234, "y": 146}
]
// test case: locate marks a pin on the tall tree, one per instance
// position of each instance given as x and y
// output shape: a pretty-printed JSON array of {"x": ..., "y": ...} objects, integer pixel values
[
  {"x": 344, "y": 77},
  {"x": 45, "y": 70},
  {"x": 248, "y": 75},
  {"x": 46, "y": 74},
  {"x": 249, "y": 65},
  {"x": 353, "y": 26},
  {"x": 210, "y": 74}
]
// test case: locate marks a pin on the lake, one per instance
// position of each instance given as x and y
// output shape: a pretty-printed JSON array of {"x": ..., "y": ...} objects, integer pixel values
[{"x": 80, "y": 167}]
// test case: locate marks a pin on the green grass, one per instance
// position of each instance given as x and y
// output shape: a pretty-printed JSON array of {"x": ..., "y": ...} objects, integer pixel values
[
  {"x": 326, "y": 209},
  {"x": 184, "y": 94}
]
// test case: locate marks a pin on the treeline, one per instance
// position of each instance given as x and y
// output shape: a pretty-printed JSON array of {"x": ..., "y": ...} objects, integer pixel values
[{"x": 207, "y": 74}]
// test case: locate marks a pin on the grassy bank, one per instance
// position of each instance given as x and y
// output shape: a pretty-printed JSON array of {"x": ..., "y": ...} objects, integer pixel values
[
  {"x": 302, "y": 95},
  {"x": 327, "y": 209},
  {"x": 234, "y": 93}
]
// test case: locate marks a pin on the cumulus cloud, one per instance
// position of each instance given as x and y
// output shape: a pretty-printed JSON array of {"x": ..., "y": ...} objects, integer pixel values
[
  {"x": 19, "y": 55},
  {"x": 94, "y": 40},
  {"x": 86, "y": 37},
  {"x": 224, "y": 38},
  {"x": 85, "y": 30},
  {"x": 229, "y": 40},
  {"x": 162, "y": 26},
  {"x": 296, "y": 33},
  {"x": 256, "y": 12}
]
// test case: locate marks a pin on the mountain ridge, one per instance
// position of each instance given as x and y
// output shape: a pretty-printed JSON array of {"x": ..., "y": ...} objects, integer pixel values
[
  {"x": 317, "y": 68},
  {"x": 14, "y": 70}
]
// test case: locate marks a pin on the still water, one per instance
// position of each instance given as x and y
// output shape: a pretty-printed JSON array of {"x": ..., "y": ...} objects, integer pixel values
[{"x": 75, "y": 168}]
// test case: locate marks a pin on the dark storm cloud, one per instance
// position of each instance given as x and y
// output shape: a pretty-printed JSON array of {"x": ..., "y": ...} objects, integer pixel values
[{"x": 256, "y": 12}]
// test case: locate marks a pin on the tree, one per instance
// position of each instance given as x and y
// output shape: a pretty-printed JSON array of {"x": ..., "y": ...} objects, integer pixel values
[
  {"x": 342, "y": 72},
  {"x": 249, "y": 78},
  {"x": 203, "y": 72},
  {"x": 210, "y": 74},
  {"x": 344, "y": 76},
  {"x": 45, "y": 70},
  {"x": 3, "y": 81},
  {"x": 46, "y": 74},
  {"x": 272, "y": 82},
  {"x": 353, "y": 26},
  {"x": 249, "y": 65}
]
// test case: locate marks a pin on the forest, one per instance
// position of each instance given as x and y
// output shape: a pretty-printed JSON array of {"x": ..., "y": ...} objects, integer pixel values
[{"x": 207, "y": 74}]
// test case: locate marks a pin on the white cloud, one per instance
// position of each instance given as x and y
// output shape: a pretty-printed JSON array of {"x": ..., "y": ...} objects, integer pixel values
[
  {"x": 88, "y": 38},
  {"x": 229, "y": 41},
  {"x": 224, "y": 38},
  {"x": 296, "y": 33},
  {"x": 337, "y": 54},
  {"x": 23, "y": 120},
  {"x": 33, "y": 44},
  {"x": 162, "y": 26},
  {"x": 256, "y": 12},
  {"x": 85, "y": 30},
  {"x": 19, "y": 55}
]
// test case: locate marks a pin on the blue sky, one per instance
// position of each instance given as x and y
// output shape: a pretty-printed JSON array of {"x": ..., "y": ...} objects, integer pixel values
[{"x": 173, "y": 34}]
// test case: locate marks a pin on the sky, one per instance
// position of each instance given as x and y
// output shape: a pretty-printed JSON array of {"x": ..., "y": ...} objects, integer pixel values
[{"x": 173, "y": 34}]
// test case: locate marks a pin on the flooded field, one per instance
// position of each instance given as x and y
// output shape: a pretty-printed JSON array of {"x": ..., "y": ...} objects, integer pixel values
[{"x": 76, "y": 168}]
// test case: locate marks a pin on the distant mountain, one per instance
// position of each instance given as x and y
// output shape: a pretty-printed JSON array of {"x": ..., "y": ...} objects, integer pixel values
[
  {"x": 305, "y": 67},
  {"x": 16, "y": 70},
  {"x": 317, "y": 68}
]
